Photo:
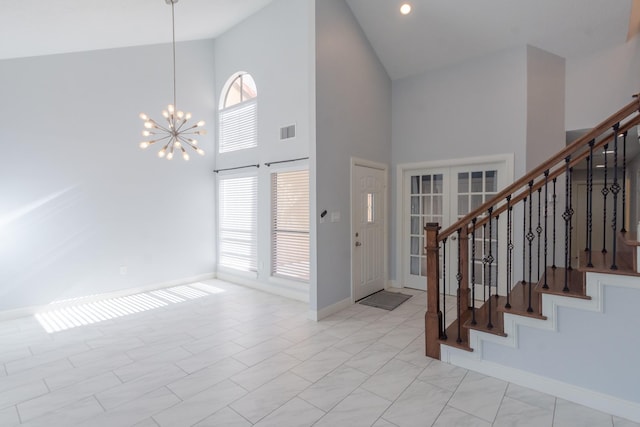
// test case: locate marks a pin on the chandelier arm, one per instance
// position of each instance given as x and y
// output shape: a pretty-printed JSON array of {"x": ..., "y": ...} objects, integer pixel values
[
  {"x": 182, "y": 123},
  {"x": 186, "y": 141},
  {"x": 159, "y": 139}
]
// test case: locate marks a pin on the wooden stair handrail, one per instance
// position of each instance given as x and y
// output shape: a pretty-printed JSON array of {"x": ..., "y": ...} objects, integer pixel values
[
  {"x": 624, "y": 112},
  {"x": 556, "y": 173}
]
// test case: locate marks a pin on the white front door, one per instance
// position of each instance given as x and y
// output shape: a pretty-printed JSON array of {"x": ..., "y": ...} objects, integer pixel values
[
  {"x": 444, "y": 195},
  {"x": 368, "y": 207}
]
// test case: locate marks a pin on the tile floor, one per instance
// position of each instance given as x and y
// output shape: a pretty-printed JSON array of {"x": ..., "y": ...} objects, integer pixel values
[{"x": 241, "y": 357}]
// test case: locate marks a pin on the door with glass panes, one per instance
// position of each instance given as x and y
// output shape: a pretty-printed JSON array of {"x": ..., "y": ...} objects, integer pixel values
[{"x": 444, "y": 195}]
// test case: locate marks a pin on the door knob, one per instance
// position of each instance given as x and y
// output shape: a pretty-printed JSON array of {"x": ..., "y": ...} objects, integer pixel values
[
  {"x": 358, "y": 244},
  {"x": 454, "y": 238}
]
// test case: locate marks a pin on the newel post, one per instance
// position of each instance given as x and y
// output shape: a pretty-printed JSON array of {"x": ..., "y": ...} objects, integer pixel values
[{"x": 433, "y": 316}]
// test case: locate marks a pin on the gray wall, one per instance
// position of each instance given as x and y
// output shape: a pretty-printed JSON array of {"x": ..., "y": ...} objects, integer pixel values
[
  {"x": 600, "y": 84},
  {"x": 274, "y": 46},
  {"x": 476, "y": 108},
  {"x": 353, "y": 118},
  {"x": 545, "y": 105},
  {"x": 78, "y": 198}
]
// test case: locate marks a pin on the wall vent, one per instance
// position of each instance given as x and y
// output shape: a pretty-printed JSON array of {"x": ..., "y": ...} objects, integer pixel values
[{"x": 287, "y": 132}]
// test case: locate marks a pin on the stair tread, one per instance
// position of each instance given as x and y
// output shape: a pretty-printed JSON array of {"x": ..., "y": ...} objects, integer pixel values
[
  {"x": 452, "y": 333},
  {"x": 602, "y": 264},
  {"x": 519, "y": 301},
  {"x": 482, "y": 317},
  {"x": 555, "y": 281}
]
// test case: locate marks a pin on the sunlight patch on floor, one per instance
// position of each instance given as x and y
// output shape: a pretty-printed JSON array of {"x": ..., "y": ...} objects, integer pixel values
[{"x": 61, "y": 319}]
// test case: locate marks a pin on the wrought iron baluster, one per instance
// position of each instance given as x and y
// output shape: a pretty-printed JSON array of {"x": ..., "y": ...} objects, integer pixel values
[
  {"x": 509, "y": 250},
  {"x": 484, "y": 261},
  {"x": 553, "y": 246},
  {"x": 624, "y": 183},
  {"x": 524, "y": 243},
  {"x": 567, "y": 219},
  {"x": 444, "y": 289},
  {"x": 473, "y": 271},
  {"x": 590, "y": 203},
  {"x": 459, "y": 280},
  {"x": 490, "y": 264},
  {"x": 615, "y": 189},
  {"x": 539, "y": 229},
  {"x": 546, "y": 214},
  {"x": 530, "y": 236},
  {"x": 571, "y": 212},
  {"x": 605, "y": 192}
]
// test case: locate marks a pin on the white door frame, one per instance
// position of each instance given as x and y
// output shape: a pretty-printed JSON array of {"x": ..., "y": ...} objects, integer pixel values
[
  {"x": 402, "y": 168},
  {"x": 355, "y": 161}
]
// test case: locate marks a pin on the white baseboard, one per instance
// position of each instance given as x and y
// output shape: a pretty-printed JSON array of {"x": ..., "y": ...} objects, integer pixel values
[
  {"x": 299, "y": 294},
  {"x": 592, "y": 399},
  {"x": 328, "y": 311},
  {"x": 31, "y": 310}
]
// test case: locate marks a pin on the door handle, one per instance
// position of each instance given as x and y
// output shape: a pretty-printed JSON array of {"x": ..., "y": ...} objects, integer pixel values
[
  {"x": 454, "y": 238},
  {"x": 358, "y": 244}
]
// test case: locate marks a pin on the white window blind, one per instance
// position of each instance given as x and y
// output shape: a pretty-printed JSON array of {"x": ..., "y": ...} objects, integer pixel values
[
  {"x": 237, "y": 222},
  {"x": 238, "y": 127},
  {"x": 290, "y": 225}
]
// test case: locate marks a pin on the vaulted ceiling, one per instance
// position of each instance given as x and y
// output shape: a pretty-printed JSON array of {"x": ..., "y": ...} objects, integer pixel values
[{"x": 437, "y": 33}]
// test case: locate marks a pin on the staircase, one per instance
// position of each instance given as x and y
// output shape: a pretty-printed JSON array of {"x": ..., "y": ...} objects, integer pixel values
[{"x": 515, "y": 324}]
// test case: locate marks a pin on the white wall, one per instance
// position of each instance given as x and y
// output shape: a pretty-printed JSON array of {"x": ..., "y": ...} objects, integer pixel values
[
  {"x": 600, "y": 84},
  {"x": 353, "y": 118},
  {"x": 78, "y": 198},
  {"x": 472, "y": 109},
  {"x": 273, "y": 45}
]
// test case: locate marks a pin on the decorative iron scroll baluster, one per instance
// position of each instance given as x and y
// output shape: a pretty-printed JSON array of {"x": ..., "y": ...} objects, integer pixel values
[
  {"x": 567, "y": 219},
  {"x": 484, "y": 261},
  {"x": 546, "y": 214},
  {"x": 530, "y": 236},
  {"x": 444, "y": 289},
  {"x": 524, "y": 244},
  {"x": 586, "y": 223},
  {"x": 590, "y": 203},
  {"x": 615, "y": 189},
  {"x": 605, "y": 192},
  {"x": 497, "y": 255},
  {"x": 459, "y": 280},
  {"x": 473, "y": 271},
  {"x": 490, "y": 263},
  {"x": 539, "y": 229},
  {"x": 571, "y": 212},
  {"x": 624, "y": 183},
  {"x": 509, "y": 250},
  {"x": 553, "y": 246}
]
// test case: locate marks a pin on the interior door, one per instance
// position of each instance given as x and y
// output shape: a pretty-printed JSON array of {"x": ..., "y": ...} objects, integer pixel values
[
  {"x": 444, "y": 195},
  {"x": 368, "y": 206}
]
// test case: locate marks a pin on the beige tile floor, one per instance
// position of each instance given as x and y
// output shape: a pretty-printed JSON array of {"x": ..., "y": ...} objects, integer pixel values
[{"x": 217, "y": 354}]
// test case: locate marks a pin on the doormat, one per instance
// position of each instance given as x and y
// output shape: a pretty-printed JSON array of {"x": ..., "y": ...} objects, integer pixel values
[{"x": 385, "y": 300}]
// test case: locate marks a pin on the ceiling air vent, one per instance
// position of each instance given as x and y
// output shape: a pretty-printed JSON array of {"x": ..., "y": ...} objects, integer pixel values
[{"x": 287, "y": 132}]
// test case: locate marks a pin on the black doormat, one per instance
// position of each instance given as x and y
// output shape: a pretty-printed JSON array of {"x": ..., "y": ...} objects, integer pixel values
[{"x": 385, "y": 300}]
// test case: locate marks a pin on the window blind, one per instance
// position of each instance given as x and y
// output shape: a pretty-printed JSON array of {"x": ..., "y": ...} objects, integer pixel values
[
  {"x": 237, "y": 215},
  {"x": 290, "y": 224},
  {"x": 238, "y": 127}
]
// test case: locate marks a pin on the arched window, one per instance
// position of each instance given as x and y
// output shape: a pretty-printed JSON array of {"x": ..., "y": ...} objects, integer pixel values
[{"x": 238, "y": 119}]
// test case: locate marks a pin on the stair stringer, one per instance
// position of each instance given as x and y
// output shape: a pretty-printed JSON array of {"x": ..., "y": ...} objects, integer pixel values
[{"x": 595, "y": 283}]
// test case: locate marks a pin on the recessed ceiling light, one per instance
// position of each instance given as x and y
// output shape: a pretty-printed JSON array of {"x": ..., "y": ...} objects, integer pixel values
[{"x": 405, "y": 9}]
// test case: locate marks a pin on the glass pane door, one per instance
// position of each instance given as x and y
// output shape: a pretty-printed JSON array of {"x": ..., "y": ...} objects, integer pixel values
[{"x": 426, "y": 198}]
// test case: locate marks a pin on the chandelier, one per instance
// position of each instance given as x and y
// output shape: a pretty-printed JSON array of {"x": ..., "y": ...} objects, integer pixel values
[{"x": 176, "y": 133}]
